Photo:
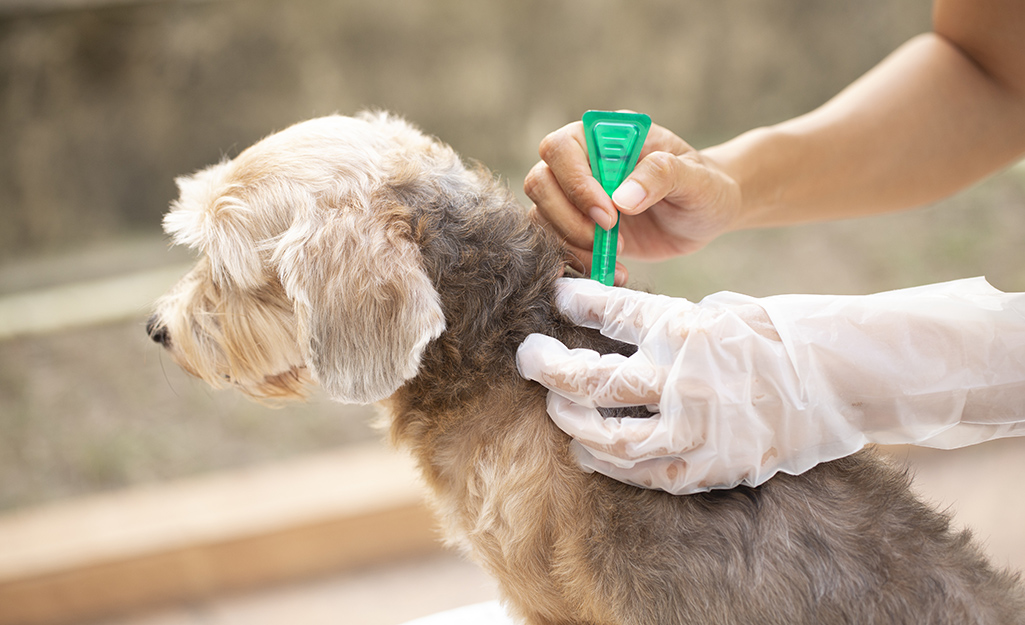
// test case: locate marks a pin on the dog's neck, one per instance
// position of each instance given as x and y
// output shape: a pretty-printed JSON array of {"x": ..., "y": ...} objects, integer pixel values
[{"x": 495, "y": 271}]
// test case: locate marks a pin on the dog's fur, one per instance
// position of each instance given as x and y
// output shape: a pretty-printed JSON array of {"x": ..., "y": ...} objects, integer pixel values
[{"x": 361, "y": 255}]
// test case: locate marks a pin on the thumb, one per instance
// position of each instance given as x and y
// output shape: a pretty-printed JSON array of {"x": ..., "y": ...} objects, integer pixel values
[{"x": 656, "y": 176}]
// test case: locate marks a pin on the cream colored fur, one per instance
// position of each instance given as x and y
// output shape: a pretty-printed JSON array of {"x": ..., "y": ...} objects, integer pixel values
[{"x": 293, "y": 213}]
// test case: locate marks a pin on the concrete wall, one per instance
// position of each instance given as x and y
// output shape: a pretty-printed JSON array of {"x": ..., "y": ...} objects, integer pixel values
[{"x": 102, "y": 104}]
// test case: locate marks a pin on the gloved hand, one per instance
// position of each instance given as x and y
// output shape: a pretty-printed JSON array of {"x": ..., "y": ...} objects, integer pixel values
[{"x": 745, "y": 387}]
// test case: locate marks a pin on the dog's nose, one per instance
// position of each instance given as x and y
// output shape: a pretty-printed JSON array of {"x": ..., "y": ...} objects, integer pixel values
[{"x": 158, "y": 331}]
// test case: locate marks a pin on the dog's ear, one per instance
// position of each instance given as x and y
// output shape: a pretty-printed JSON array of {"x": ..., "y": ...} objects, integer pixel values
[
  {"x": 210, "y": 215},
  {"x": 365, "y": 306}
]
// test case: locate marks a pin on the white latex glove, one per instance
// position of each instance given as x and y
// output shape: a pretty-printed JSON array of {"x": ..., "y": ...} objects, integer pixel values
[{"x": 745, "y": 387}]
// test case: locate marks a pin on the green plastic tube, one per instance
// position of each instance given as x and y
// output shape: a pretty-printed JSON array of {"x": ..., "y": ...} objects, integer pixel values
[{"x": 614, "y": 142}]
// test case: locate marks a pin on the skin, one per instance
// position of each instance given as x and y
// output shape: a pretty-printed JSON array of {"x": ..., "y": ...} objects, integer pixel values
[{"x": 940, "y": 113}]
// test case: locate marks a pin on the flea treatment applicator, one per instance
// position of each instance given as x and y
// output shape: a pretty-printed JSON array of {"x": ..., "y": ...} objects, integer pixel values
[{"x": 614, "y": 142}]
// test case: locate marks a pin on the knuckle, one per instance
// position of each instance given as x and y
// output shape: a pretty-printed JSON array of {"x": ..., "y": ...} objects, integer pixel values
[
  {"x": 555, "y": 142},
  {"x": 548, "y": 145},
  {"x": 662, "y": 165},
  {"x": 578, "y": 190},
  {"x": 535, "y": 180}
]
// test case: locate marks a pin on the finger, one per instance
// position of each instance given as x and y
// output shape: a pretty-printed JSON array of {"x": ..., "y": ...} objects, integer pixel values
[
  {"x": 619, "y": 313},
  {"x": 579, "y": 258},
  {"x": 656, "y": 176},
  {"x": 565, "y": 153},
  {"x": 576, "y": 257},
  {"x": 684, "y": 474},
  {"x": 705, "y": 199},
  {"x": 606, "y": 437},
  {"x": 553, "y": 208},
  {"x": 588, "y": 378},
  {"x": 622, "y": 274},
  {"x": 627, "y": 441},
  {"x": 669, "y": 474}
]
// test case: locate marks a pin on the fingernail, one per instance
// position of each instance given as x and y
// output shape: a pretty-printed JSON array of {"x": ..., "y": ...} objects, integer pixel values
[
  {"x": 629, "y": 195},
  {"x": 601, "y": 218},
  {"x": 620, "y": 278}
]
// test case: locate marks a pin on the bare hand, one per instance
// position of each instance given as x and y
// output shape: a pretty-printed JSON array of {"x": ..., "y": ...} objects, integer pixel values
[{"x": 675, "y": 201}]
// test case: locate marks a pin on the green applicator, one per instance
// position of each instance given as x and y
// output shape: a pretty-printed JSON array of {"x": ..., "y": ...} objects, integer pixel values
[{"x": 614, "y": 142}]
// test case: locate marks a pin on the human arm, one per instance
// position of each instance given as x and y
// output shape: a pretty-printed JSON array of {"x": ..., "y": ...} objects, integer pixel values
[
  {"x": 744, "y": 387},
  {"x": 938, "y": 114}
]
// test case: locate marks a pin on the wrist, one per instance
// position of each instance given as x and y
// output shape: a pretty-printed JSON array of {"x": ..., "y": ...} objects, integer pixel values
[{"x": 743, "y": 159}]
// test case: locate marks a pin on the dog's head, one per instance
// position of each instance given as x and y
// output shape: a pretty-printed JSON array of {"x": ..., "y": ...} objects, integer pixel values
[{"x": 308, "y": 269}]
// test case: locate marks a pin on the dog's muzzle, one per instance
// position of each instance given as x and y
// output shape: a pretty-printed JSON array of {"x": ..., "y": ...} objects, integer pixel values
[{"x": 158, "y": 331}]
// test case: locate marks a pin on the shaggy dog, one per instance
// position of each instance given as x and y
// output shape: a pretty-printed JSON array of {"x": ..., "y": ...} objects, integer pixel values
[{"x": 361, "y": 255}]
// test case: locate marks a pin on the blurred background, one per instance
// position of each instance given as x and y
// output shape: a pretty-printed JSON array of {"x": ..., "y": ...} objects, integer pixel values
[{"x": 104, "y": 103}]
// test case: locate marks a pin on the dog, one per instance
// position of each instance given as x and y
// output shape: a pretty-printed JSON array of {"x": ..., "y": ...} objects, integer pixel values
[{"x": 360, "y": 255}]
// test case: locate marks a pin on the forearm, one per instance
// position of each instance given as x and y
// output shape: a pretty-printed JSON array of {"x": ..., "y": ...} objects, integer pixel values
[
  {"x": 942, "y": 364},
  {"x": 924, "y": 123}
]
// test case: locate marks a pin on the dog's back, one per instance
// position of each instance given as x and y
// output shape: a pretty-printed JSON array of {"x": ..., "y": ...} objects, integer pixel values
[{"x": 846, "y": 542}]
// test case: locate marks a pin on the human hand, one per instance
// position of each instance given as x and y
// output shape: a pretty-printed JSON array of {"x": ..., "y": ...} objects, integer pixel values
[
  {"x": 744, "y": 388},
  {"x": 716, "y": 372},
  {"x": 675, "y": 201}
]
